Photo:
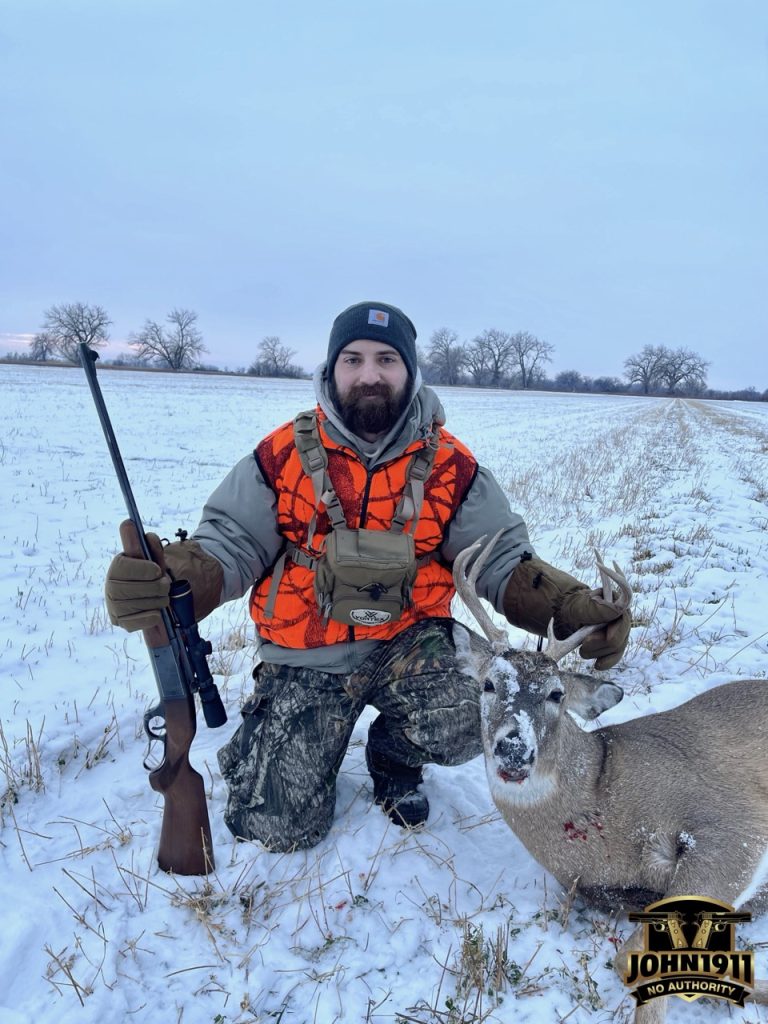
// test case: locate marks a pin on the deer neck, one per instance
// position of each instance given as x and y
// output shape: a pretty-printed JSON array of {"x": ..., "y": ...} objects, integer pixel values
[{"x": 581, "y": 763}]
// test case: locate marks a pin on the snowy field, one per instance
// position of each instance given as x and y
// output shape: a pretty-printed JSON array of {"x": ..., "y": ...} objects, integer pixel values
[{"x": 452, "y": 924}]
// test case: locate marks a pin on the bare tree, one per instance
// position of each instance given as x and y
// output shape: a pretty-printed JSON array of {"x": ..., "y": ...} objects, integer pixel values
[
  {"x": 645, "y": 367},
  {"x": 676, "y": 370},
  {"x": 607, "y": 385},
  {"x": 274, "y": 359},
  {"x": 476, "y": 360},
  {"x": 177, "y": 347},
  {"x": 569, "y": 380},
  {"x": 684, "y": 370},
  {"x": 446, "y": 356},
  {"x": 74, "y": 323},
  {"x": 529, "y": 353},
  {"x": 43, "y": 347},
  {"x": 499, "y": 349}
]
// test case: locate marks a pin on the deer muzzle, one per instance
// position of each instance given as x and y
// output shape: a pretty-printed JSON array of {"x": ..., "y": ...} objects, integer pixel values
[{"x": 514, "y": 756}]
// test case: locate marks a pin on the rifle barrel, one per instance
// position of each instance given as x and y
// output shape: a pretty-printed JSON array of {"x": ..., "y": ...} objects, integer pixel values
[{"x": 88, "y": 357}]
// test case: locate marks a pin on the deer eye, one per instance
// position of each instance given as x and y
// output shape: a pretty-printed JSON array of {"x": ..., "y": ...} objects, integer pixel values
[
  {"x": 488, "y": 687},
  {"x": 556, "y": 696}
]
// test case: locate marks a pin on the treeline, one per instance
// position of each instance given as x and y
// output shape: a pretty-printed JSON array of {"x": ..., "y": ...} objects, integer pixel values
[
  {"x": 175, "y": 345},
  {"x": 492, "y": 359},
  {"x": 498, "y": 359}
]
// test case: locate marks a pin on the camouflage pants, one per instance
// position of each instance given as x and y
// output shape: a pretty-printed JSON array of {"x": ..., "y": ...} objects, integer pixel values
[{"x": 281, "y": 764}]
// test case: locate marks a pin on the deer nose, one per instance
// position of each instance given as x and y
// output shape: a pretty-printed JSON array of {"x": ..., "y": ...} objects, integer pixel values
[{"x": 512, "y": 748}]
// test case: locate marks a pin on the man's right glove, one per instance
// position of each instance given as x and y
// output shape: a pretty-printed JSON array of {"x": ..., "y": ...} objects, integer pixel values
[{"x": 137, "y": 589}]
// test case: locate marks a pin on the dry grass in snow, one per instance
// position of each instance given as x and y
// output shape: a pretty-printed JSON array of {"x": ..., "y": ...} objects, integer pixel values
[{"x": 450, "y": 925}]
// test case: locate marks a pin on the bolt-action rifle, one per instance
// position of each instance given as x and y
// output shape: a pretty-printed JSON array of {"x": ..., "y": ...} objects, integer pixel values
[{"x": 178, "y": 658}]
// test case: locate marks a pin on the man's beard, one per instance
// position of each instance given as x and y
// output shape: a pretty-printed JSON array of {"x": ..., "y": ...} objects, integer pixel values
[{"x": 362, "y": 415}]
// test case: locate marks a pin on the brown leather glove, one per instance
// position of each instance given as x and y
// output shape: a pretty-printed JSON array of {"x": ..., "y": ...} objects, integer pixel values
[
  {"x": 537, "y": 593},
  {"x": 136, "y": 589}
]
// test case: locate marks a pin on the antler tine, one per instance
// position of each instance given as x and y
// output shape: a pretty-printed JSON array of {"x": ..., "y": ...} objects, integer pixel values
[
  {"x": 482, "y": 558},
  {"x": 615, "y": 575},
  {"x": 557, "y": 649},
  {"x": 461, "y": 560},
  {"x": 465, "y": 587}
]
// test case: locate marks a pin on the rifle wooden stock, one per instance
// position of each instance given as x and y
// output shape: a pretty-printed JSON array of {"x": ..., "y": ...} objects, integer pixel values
[
  {"x": 185, "y": 835},
  {"x": 185, "y": 845}
]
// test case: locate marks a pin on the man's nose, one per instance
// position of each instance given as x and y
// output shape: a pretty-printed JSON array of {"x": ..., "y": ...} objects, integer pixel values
[{"x": 369, "y": 373}]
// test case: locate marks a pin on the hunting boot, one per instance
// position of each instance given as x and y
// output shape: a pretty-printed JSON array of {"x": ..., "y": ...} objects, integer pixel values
[{"x": 395, "y": 790}]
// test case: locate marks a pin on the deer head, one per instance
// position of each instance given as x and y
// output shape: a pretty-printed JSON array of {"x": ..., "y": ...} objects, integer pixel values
[{"x": 526, "y": 698}]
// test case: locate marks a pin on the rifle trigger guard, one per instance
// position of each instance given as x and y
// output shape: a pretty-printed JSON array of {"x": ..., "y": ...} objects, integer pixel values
[{"x": 156, "y": 735}]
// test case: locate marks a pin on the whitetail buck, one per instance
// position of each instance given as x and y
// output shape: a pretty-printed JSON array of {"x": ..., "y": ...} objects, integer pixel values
[{"x": 670, "y": 804}]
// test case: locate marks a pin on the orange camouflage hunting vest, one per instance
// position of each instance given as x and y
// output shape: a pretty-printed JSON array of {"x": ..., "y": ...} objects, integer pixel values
[{"x": 369, "y": 499}]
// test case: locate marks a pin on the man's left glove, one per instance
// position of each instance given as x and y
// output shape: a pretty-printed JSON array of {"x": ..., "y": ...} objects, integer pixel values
[{"x": 537, "y": 593}]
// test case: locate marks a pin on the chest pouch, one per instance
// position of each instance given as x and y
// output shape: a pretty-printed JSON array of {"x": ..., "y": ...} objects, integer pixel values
[
  {"x": 365, "y": 577},
  {"x": 362, "y": 577}
]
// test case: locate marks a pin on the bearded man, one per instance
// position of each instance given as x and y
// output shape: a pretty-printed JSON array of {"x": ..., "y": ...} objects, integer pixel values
[{"x": 343, "y": 524}]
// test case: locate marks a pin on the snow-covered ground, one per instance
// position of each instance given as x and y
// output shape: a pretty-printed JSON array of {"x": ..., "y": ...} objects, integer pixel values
[{"x": 445, "y": 925}]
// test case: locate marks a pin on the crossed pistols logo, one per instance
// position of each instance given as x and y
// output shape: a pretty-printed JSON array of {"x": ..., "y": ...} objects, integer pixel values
[{"x": 689, "y": 952}]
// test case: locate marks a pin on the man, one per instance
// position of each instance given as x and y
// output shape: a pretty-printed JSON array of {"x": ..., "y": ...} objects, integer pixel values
[{"x": 344, "y": 525}]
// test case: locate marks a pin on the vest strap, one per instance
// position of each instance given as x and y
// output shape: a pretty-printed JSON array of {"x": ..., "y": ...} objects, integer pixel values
[
  {"x": 277, "y": 575},
  {"x": 410, "y": 504}
]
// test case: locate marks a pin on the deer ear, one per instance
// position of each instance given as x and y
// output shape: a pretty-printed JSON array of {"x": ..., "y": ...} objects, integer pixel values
[
  {"x": 588, "y": 697},
  {"x": 472, "y": 661}
]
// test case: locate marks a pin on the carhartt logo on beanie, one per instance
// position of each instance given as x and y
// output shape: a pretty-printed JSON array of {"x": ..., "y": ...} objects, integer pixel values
[{"x": 373, "y": 321}]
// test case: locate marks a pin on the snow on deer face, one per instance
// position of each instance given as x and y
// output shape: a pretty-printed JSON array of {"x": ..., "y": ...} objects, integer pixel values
[
  {"x": 524, "y": 702},
  {"x": 519, "y": 706}
]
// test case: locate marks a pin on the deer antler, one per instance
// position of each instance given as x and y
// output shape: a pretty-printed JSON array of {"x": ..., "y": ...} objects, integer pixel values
[
  {"x": 465, "y": 587},
  {"x": 557, "y": 649}
]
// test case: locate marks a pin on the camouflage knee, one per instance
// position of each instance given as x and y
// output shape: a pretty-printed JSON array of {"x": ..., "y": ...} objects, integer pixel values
[
  {"x": 429, "y": 703},
  {"x": 281, "y": 765},
  {"x": 277, "y": 834}
]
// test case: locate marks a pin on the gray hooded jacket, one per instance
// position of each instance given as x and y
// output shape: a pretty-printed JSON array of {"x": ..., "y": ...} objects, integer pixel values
[{"x": 239, "y": 528}]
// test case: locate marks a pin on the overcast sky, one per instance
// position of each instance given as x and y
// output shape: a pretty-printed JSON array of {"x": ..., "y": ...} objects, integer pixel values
[{"x": 592, "y": 172}]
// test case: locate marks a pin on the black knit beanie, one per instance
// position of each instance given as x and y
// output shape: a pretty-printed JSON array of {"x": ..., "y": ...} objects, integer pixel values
[{"x": 373, "y": 321}]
